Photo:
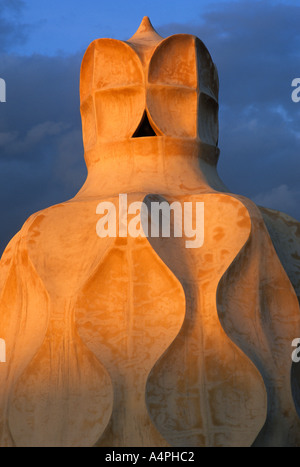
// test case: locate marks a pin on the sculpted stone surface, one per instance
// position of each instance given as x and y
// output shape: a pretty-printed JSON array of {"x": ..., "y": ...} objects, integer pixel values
[{"x": 141, "y": 341}]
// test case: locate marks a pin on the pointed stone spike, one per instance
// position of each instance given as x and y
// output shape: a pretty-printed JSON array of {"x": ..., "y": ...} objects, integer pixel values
[
  {"x": 145, "y": 26},
  {"x": 145, "y": 32}
]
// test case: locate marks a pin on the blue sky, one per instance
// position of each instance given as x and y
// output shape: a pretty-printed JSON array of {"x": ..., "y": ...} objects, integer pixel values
[
  {"x": 255, "y": 44},
  {"x": 69, "y": 26}
]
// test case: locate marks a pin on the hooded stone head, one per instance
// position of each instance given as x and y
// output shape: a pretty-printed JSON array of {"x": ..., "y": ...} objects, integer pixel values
[{"x": 149, "y": 87}]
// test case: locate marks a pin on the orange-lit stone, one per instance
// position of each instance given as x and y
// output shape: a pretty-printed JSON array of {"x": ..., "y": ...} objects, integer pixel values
[{"x": 142, "y": 341}]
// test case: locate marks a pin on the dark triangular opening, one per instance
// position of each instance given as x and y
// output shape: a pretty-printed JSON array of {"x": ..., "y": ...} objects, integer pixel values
[{"x": 144, "y": 129}]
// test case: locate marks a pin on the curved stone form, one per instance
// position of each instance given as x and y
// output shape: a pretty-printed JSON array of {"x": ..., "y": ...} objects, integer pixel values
[{"x": 141, "y": 341}]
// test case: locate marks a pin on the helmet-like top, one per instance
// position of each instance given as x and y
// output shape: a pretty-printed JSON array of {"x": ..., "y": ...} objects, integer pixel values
[{"x": 149, "y": 87}]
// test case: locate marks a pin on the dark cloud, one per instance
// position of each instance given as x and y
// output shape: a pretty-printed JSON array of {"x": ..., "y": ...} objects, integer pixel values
[{"x": 280, "y": 198}]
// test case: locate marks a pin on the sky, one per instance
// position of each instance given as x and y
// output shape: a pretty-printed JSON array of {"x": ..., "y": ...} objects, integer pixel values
[{"x": 254, "y": 43}]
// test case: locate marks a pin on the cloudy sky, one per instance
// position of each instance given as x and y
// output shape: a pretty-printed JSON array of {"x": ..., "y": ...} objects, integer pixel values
[{"x": 255, "y": 44}]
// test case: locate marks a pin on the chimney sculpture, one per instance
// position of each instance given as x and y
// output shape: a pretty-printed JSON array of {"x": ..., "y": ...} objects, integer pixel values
[{"x": 133, "y": 340}]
